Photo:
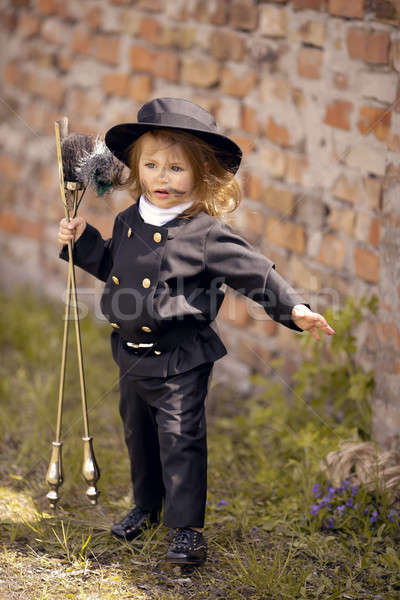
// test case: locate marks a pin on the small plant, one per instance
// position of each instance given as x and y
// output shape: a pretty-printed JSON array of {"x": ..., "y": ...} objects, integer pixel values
[
  {"x": 351, "y": 507},
  {"x": 330, "y": 381}
]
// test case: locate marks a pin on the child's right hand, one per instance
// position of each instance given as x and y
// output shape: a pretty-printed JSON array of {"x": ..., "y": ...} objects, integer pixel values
[{"x": 71, "y": 230}]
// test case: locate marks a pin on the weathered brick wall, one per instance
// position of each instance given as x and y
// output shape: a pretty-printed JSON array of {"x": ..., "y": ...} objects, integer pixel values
[{"x": 308, "y": 89}]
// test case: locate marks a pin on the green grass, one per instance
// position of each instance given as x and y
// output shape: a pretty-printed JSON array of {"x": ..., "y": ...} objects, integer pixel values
[{"x": 264, "y": 458}]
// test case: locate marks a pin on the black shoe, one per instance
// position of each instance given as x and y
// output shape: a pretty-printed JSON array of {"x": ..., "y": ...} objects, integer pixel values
[
  {"x": 187, "y": 547},
  {"x": 136, "y": 521}
]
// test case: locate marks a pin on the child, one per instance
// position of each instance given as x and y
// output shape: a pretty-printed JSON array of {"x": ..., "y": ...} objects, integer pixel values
[{"x": 164, "y": 266}]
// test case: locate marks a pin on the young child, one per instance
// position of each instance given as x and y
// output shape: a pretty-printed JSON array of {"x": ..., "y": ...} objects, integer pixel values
[{"x": 164, "y": 266}]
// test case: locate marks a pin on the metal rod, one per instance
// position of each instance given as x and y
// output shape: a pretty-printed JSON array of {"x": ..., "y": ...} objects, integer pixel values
[{"x": 54, "y": 475}]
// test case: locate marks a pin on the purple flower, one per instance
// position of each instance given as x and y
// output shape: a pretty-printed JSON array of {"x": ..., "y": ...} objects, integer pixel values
[
  {"x": 341, "y": 508},
  {"x": 374, "y": 516},
  {"x": 314, "y": 509},
  {"x": 331, "y": 492},
  {"x": 322, "y": 503},
  {"x": 349, "y": 502},
  {"x": 329, "y": 522},
  {"x": 222, "y": 503},
  {"x": 346, "y": 483},
  {"x": 316, "y": 490},
  {"x": 391, "y": 515},
  {"x": 354, "y": 490}
]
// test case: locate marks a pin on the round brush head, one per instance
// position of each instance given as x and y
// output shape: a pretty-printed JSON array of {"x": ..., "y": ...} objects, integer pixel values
[
  {"x": 99, "y": 168},
  {"x": 73, "y": 148}
]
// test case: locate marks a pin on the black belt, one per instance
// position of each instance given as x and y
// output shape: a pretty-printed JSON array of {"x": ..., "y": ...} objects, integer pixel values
[{"x": 165, "y": 342}]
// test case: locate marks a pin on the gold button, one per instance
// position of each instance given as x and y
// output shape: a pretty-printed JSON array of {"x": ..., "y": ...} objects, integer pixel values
[
  {"x": 115, "y": 279},
  {"x": 157, "y": 237},
  {"x": 115, "y": 325},
  {"x": 146, "y": 329},
  {"x": 146, "y": 282},
  {"x": 158, "y": 352},
  {"x": 129, "y": 232}
]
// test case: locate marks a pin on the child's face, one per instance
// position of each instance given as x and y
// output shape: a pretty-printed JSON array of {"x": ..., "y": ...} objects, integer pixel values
[{"x": 166, "y": 176}]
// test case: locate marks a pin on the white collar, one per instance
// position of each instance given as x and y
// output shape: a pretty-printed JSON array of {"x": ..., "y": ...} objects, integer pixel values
[{"x": 154, "y": 215}]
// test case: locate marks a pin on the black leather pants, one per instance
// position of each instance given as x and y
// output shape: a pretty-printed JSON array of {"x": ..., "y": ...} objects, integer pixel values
[{"x": 165, "y": 431}]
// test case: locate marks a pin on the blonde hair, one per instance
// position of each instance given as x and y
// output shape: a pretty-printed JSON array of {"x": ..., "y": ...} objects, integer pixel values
[{"x": 216, "y": 189}]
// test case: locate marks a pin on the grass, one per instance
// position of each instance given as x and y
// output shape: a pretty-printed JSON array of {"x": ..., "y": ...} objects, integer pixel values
[{"x": 263, "y": 461}]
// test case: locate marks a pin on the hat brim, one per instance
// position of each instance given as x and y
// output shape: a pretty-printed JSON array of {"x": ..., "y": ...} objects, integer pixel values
[{"x": 120, "y": 137}]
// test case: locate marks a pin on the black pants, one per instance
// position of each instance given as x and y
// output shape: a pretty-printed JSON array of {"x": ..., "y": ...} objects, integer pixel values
[{"x": 165, "y": 431}]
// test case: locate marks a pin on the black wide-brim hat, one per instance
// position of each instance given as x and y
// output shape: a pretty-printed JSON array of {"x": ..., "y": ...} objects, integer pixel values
[{"x": 174, "y": 113}]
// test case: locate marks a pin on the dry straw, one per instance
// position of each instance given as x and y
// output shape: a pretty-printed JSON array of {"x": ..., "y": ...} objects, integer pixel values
[{"x": 363, "y": 463}]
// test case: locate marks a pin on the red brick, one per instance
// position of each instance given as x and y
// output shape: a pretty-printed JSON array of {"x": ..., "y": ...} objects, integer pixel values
[
  {"x": 64, "y": 61},
  {"x": 49, "y": 88},
  {"x": 356, "y": 41},
  {"x": 211, "y": 12},
  {"x": 85, "y": 104},
  {"x": 149, "y": 5},
  {"x": 249, "y": 122},
  {"x": 200, "y": 72},
  {"x": 140, "y": 88},
  {"x": 28, "y": 25},
  {"x": 234, "y": 310},
  {"x": 150, "y": 30},
  {"x": 161, "y": 64},
  {"x": 253, "y": 224},
  {"x": 393, "y": 142},
  {"x": 375, "y": 232},
  {"x": 237, "y": 85},
  {"x": 353, "y": 9},
  {"x": 347, "y": 189},
  {"x": 251, "y": 186},
  {"x": 285, "y": 234},
  {"x": 378, "y": 48},
  {"x": 387, "y": 11},
  {"x": 279, "y": 134},
  {"x": 12, "y": 74},
  {"x": 227, "y": 45},
  {"x": 374, "y": 120},
  {"x": 81, "y": 41},
  {"x": 309, "y": 62},
  {"x": 366, "y": 265},
  {"x": 116, "y": 84},
  {"x": 332, "y": 251},
  {"x": 11, "y": 223},
  {"x": 279, "y": 199},
  {"x": 338, "y": 114},
  {"x": 47, "y": 7},
  {"x": 244, "y": 143},
  {"x": 106, "y": 49},
  {"x": 396, "y": 106},
  {"x": 308, "y": 4},
  {"x": 296, "y": 167},
  {"x": 92, "y": 17},
  {"x": 244, "y": 15},
  {"x": 10, "y": 168}
]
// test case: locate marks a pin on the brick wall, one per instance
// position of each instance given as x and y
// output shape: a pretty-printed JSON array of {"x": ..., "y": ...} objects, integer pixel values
[{"x": 307, "y": 88}]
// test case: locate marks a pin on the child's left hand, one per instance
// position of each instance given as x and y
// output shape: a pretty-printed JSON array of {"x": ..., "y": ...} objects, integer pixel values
[{"x": 307, "y": 320}]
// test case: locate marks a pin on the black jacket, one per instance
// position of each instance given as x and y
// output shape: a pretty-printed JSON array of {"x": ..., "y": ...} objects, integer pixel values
[{"x": 164, "y": 285}]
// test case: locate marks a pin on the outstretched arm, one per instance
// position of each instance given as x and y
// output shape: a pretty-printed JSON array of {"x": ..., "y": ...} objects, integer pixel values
[{"x": 232, "y": 260}]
